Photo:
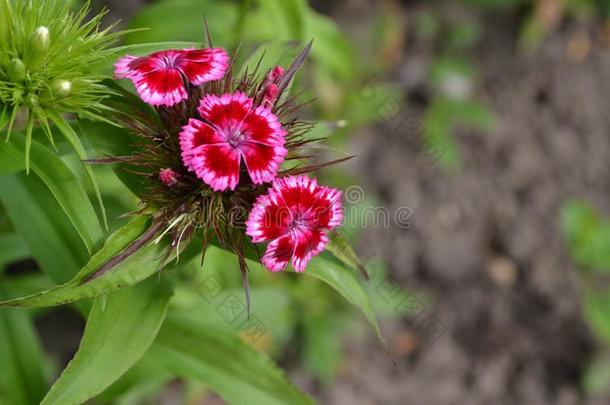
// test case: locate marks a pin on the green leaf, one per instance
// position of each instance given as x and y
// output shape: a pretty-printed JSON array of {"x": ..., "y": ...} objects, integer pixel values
[
  {"x": 12, "y": 248},
  {"x": 139, "y": 266},
  {"x": 63, "y": 185},
  {"x": 22, "y": 378},
  {"x": 38, "y": 219},
  {"x": 120, "y": 329},
  {"x": 76, "y": 144},
  {"x": 332, "y": 50},
  {"x": 597, "y": 313},
  {"x": 283, "y": 19},
  {"x": 110, "y": 140},
  {"x": 340, "y": 247},
  {"x": 587, "y": 234},
  {"x": 138, "y": 381},
  {"x": 183, "y": 20},
  {"x": 322, "y": 351},
  {"x": 344, "y": 282},
  {"x": 238, "y": 373},
  {"x": 269, "y": 55}
]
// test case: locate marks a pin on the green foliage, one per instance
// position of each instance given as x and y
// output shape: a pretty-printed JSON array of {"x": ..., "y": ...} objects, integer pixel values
[
  {"x": 238, "y": 373},
  {"x": 137, "y": 267},
  {"x": 182, "y": 20},
  {"x": 133, "y": 317},
  {"x": 453, "y": 78},
  {"x": 40, "y": 222},
  {"x": 48, "y": 56},
  {"x": 596, "y": 380},
  {"x": 64, "y": 186},
  {"x": 597, "y": 312},
  {"x": 588, "y": 236},
  {"x": 441, "y": 119},
  {"x": 22, "y": 381}
]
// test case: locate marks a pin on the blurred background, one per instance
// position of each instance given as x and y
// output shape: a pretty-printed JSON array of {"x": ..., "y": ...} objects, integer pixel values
[{"x": 479, "y": 197}]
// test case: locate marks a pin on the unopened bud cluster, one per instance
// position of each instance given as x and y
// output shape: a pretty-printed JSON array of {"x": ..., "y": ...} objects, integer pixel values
[
  {"x": 50, "y": 55},
  {"x": 34, "y": 55}
]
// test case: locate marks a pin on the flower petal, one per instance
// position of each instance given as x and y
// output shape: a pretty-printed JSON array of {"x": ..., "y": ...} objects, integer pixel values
[
  {"x": 225, "y": 110},
  {"x": 193, "y": 135},
  {"x": 262, "y": 161},
  {"x": 216, "y": 164},
  {"x": 161, "y": 87},
  {"x": 263, "y": 126},
  {"x": 155, "y": 76},
  {"x": 133, "y": 66},
  {"x": 308, "y": 244},
  {"x": 323, "y": 204},
  {"x": 122, "y": 67},
  {"x": 268, "y": 219},
  {"x": 203, "y": 65},
  {"x": 278, "y": 253},
  {"x": 298, "y": 192},
  {"x": 326, "y": 211}
]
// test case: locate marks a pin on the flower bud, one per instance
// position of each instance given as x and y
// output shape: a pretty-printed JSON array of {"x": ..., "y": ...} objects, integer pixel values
[
  {"x": 32, "y": 101},
  {"x": 271, "y": 93},
  {"x": 40, "y": 40},
  {"x": 16, "y": 70},
  {"x": 61, "y": 88},
  {"x": 275, "y": 74},
  {"x": 37, "y": 48},
  {"x": 168, "y": 177}
]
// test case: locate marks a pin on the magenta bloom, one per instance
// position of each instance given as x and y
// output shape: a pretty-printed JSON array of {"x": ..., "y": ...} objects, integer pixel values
[
  {"x": 161, "y": 78},
  {"x": 294, "y": 216},
  {"x": 233, "y": 130}
]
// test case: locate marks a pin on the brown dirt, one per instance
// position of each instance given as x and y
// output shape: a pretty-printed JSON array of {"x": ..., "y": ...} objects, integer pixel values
[{"x": 487, "y": 247}]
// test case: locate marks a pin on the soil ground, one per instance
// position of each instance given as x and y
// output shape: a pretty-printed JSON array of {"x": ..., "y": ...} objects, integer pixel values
[{"x": 487, "y": 246}]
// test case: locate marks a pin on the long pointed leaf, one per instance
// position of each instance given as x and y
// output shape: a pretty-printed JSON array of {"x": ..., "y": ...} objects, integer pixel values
[
  {"x": 63, "y": 184},
  {"x": 21, "y": 380},
  {"x": 116, "y": 337},
  {"x": 76, "y": 144},
  {"x": 38, "y": 219},
  {"x": 139, "y": 266},
  {"x": 238, "y": 373},
  {"x": 344, "y": 282}
]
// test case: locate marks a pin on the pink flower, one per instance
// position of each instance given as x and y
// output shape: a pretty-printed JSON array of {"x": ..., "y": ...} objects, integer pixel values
[
  {"x": 294, "y": 216},
  {"x": 161, "y": 78},
  {"x": 168, "y": 177},
  {"x": 232, "y": 130}
]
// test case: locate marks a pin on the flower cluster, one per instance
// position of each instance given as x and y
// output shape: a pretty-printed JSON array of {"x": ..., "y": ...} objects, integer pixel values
[{"x": 214, "y": 152}]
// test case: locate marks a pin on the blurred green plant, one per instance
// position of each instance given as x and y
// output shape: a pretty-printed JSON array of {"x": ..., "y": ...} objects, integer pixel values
[
  {"x": 452, "y": 79},
  {"x": 587, "y": 234}
]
